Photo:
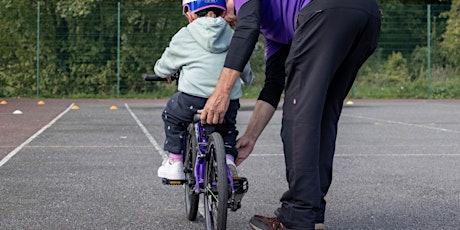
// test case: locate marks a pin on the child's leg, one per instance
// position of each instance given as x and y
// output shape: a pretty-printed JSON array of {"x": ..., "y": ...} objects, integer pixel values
[
  {"x": 174, "y": 157},
  {"x": 175, "y": 124},
  {"x": 177, "y": 115}
]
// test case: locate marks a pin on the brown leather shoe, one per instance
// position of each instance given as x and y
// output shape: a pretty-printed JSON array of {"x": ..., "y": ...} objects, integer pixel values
[
  {"x": 266, "y": 223},
  {"x": 318, "y": 226}
]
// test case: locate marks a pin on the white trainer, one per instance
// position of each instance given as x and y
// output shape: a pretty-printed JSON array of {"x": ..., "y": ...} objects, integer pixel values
[
  {"x": 231, "y": 165},
  {"x": 171, "y": 170}
]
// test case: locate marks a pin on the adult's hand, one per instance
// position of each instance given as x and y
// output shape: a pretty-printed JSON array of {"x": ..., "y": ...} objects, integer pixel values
[
  {"x": 217, "y": 104},
  {"x": 262, "y": 114},
  {"x": 215, "y": 108},
  {"x": 244, "y": 146},
  {"x": 230, "y": 17}
]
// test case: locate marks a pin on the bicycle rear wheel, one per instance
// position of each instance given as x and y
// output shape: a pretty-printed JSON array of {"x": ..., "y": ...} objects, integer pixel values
[
  {"x": 191, "y": 197},
  {"x": 216, "y": 184}
]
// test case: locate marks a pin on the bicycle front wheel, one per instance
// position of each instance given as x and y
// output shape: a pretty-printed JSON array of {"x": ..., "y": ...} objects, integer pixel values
[{"x": 216, "y": 184}]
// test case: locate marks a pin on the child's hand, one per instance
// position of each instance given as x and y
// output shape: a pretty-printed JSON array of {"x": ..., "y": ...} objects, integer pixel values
[{"x": 169, "y": 80}]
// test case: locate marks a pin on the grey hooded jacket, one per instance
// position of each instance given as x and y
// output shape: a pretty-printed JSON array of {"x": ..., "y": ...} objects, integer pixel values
[{"x": 199, "y": 50}]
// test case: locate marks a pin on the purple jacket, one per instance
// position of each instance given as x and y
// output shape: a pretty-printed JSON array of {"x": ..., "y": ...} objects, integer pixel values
[{"x": 277, "y": 21}]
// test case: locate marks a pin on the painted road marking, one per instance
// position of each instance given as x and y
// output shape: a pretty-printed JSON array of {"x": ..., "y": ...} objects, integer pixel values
[
  {"x": 402, "y": 123},
  {"x": 16, "y": 150},
  {"x": 147, "y": 133}
]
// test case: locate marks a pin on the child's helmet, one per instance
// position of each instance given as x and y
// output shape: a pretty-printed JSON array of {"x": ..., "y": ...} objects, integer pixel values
[{"x": 196, "y": 5}]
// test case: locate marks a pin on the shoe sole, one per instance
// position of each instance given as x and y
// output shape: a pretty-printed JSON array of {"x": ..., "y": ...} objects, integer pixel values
[
  {"x": 317, "y": 227},
  {"x": 171, "y": 177},
  {"x": 254, "y": 227}
]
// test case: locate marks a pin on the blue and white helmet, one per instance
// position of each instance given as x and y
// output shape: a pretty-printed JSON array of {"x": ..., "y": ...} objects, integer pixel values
[{"x": 196, "y": 5}]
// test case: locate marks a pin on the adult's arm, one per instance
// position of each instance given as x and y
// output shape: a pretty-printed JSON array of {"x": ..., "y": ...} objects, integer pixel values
[
  {"x": 240, "y": 50},
  {"x": 263, "y": 112},
  {"x": 245, "y": 37}
]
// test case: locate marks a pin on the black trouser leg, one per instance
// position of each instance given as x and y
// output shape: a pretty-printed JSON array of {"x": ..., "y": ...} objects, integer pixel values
[{"x": 329, "y": 46}]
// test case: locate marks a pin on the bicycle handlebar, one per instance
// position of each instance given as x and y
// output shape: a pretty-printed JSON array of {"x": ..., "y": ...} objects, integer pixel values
[{"x": 154, "y": 77}]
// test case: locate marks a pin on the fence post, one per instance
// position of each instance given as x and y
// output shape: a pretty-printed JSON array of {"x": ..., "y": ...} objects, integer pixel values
[
  {"x": 38, "y": 49},
  {"x": 428, "y": 39},
  {"x": 118, "y": 51}
]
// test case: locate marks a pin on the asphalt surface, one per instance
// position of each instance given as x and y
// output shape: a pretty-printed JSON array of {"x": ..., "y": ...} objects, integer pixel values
[{"x": 397, "y": 166}]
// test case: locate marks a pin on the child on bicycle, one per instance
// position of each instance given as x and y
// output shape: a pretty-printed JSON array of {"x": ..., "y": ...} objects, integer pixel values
[{"x": 199, "y": 51}]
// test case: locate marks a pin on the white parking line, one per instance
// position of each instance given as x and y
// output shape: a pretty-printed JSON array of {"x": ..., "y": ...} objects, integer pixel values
[
  {"x": 17, "y": 149},
  {"x": 147, "y": 133},
  {"x": 402, "y": 123}
]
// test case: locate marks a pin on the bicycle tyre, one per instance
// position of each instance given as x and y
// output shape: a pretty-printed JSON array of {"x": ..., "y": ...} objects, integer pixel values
[
  {"x": 216, "y": 184},
  {"x": 191, "y": 197}
]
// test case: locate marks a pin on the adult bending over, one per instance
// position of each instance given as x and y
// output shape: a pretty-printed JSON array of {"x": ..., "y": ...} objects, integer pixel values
[{"x": 319, "y": 47}]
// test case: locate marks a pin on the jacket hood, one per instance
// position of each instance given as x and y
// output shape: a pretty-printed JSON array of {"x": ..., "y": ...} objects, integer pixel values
[{"x": 213, "y": 34}]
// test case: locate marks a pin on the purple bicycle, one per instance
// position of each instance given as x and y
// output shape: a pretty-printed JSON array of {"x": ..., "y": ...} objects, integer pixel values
[{"x": 207, "y": 173}]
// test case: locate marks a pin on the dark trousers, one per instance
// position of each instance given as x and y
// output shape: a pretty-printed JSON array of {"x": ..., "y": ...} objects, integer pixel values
[
  {"x": 178, "y": 114},
  {"x": 332, "y": 41}
]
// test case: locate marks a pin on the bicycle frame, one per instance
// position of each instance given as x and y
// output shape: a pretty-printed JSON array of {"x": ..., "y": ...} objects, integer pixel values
[{"x": 200, "y": 164}]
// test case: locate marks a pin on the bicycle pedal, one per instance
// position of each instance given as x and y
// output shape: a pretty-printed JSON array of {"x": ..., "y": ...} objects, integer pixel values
[
  {"x": 241, "y": 186},
  {"x": 172, "y": 182}
]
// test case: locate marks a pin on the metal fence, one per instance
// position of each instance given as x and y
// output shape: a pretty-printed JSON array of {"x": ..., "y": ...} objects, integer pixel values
[{"x": 101, "y": 48}]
